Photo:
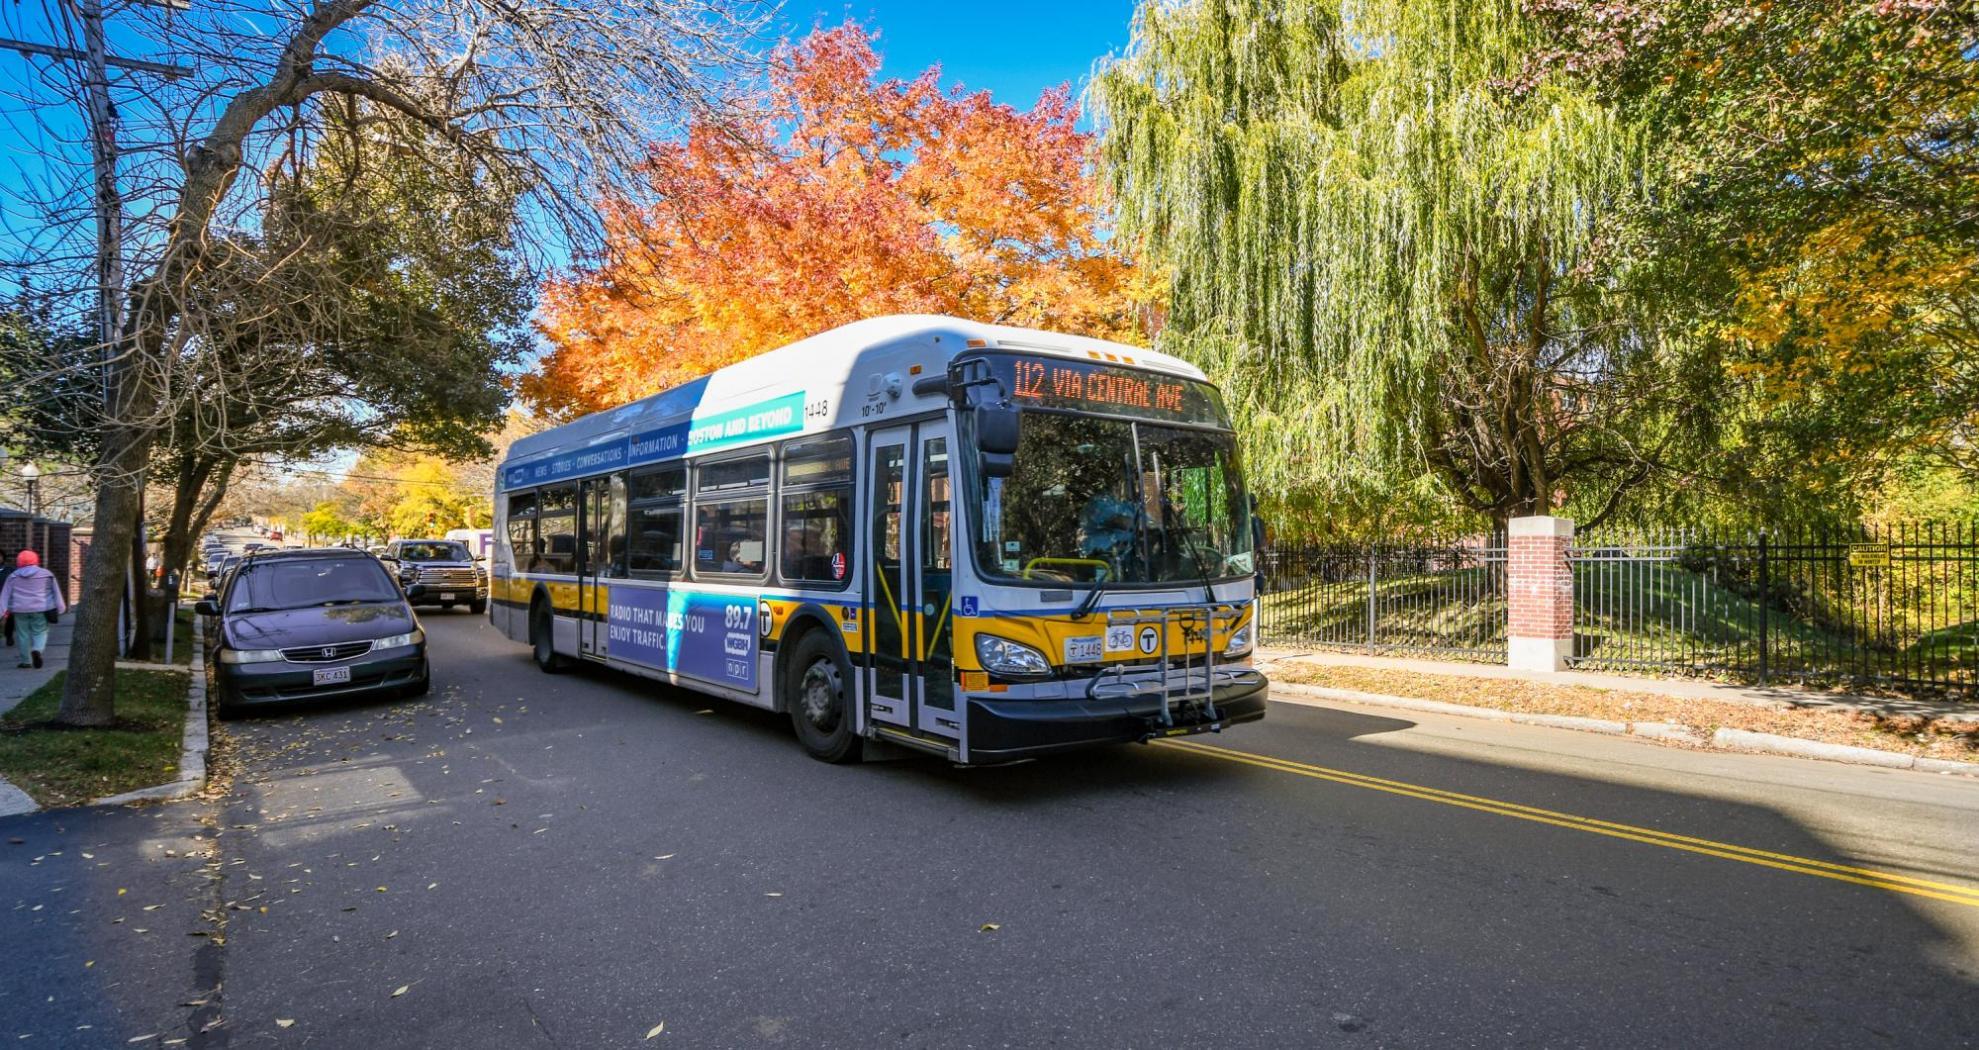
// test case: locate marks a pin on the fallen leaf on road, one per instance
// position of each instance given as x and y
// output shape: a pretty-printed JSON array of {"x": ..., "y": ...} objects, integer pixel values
[
  {"x": 772, "y": 894},
  {"x": 432, "y": 885},
  {"x": 141, "y": 1038},
  {"x": 153, "y": 907},
  {"x": 121, "y": 891},
  {"x": 404, "y": 988},
  {"x": 284, "y": 1022},
  {"x": 990, "y": 927},
  {"x": 657, "y": 1029},
  {"x": 381, "y": 889},
  {"x": 669, "y": 856},
  {"x": 705, "y": 711},
  {"x": 391, "y": 935}
]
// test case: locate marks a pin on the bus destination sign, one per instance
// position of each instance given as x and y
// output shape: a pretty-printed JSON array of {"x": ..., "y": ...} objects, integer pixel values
[{"x": 1094, "y": 387}]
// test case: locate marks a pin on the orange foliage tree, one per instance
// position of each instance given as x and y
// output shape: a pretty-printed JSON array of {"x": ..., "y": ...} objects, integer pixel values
[{"x": 842, "y": 197}]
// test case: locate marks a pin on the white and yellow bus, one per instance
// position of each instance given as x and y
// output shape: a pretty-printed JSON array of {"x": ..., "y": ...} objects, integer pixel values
[{"x": 982, "y": 542}]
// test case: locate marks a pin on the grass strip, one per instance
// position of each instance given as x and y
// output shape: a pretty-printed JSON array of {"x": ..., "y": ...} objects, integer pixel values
[
  {"x": 1954, "y": 737},
  {"x": 61, "y": 766}
]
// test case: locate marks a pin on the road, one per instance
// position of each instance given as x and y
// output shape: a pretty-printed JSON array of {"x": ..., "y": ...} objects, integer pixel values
[{"x": 523, "y": 860}]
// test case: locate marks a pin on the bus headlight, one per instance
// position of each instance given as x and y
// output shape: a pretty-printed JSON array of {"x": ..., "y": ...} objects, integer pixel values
[
  {"x": 1003, "y": 656},
  {"x": 1239, "y": 643}
]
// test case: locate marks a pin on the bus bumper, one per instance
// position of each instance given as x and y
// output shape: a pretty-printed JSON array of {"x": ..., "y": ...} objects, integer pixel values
[{"x": 1005, "y": 730}]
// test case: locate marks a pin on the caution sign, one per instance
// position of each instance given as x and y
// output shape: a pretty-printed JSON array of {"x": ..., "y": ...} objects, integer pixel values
[{"x": 1869, "y": 555}]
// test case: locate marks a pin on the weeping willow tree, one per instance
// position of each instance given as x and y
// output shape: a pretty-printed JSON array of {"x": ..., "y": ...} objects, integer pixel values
[{"x": 1400, "y": 248}]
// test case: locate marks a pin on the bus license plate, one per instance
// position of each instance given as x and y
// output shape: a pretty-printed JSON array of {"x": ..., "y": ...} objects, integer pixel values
[
  {"x": 1084, "y": 650},
  {"x": 332, "y": 675}
]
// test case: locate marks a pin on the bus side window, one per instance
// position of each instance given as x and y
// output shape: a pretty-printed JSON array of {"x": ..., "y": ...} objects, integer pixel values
[
  {"x": 731, "y": 537},
  {"x": 652, "y": 520},
  {"x": 556, "y": 530},
  {"x": 521, "y": 532},
  {"x": 817, "y": 510}
]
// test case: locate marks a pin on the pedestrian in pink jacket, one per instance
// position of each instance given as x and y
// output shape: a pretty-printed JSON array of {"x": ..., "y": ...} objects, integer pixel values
[{"x": 30, "y": 594}]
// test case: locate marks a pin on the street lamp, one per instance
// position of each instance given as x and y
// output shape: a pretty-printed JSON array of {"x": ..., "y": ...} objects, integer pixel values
[{"x": 32, "y": 475}]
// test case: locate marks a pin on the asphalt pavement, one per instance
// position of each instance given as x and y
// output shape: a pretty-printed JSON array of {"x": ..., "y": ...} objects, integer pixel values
[{"x": 522, "y": 860}]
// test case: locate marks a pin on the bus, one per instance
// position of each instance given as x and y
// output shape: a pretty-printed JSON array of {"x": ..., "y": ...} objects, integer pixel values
[{"x": 981, "y": 542}]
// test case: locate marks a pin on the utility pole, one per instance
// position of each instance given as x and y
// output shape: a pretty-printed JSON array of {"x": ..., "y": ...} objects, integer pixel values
[{"x": 109, "y": 203}]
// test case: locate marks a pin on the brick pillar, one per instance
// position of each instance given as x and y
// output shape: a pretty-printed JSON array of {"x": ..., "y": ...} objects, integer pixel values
[
  {"x": 1541, "y": 593},
  {"x": 79, "y": 540}
]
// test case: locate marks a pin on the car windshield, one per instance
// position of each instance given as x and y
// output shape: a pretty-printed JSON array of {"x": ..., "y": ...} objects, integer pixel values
[
  {"x": 434, "y": 550},
  {"x": 1101, "y": 500},
  {"x": 302, "y": 583}
]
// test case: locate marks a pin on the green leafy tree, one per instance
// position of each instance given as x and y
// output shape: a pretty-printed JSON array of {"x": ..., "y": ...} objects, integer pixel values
[
  {"x": 1819, "y": 217},
  {"x": 377, "y": 308},
  {"x": 1401, "y": 256}
]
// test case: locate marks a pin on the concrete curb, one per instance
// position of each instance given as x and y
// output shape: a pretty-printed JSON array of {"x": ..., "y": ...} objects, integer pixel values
[
  {"x": 1723, "y": 739},
  {"x": 193, "y": 744},
  {"x": 14, "y": 801}
]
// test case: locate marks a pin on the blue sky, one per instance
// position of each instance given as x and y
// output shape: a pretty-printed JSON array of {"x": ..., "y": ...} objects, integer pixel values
[{"x": 1012, "y": 48}]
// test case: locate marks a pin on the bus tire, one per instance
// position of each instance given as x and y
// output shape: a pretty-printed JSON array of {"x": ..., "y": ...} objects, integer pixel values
[
  {"x": 542, "y": 638},
  {"x": 817, "y": 693}
]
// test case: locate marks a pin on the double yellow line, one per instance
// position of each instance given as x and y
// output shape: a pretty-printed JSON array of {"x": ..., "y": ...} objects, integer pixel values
[{"x": 1882, "y": 880}]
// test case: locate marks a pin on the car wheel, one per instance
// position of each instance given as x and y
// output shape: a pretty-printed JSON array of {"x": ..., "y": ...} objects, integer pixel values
[
  {"x": 542, "y": 636},
  {"x": 478, "y": 608},
  {"x": 419, "y": 688},
  {"x": 818, "y": 695}
]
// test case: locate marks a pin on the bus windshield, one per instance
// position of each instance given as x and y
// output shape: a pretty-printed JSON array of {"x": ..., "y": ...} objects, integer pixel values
[{"x": 1110, "y": 500}]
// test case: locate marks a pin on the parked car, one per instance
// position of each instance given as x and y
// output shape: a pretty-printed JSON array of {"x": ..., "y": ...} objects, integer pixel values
[
  {"x": 216, "y": 576},
  {"x": 450, "y": 573},
  {"x": 316, "y": 624}
]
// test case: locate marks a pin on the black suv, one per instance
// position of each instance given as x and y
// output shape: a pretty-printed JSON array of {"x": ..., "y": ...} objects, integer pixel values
[
  {"x": 445, "y": 568},
  {"x": 314, "y": 624}
]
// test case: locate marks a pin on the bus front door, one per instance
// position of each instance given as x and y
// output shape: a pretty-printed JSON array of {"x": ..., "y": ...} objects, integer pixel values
[{"x": 909, "y": 673}]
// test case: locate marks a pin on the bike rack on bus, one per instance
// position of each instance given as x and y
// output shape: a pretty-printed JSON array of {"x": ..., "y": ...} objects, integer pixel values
[{"x": 1113, "y": 682}]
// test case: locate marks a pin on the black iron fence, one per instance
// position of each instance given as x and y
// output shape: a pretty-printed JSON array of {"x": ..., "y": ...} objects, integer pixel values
[
  {"x": 1892, "y": 608},
  {"x": 1435, "y": 599}
]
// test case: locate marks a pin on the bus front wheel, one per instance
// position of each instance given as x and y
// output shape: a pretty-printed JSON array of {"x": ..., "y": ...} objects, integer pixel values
[{"x": 819, "y": 700}]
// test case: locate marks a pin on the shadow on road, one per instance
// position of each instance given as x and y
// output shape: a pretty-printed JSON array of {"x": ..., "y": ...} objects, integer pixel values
[{"x": 575, "y": 858}]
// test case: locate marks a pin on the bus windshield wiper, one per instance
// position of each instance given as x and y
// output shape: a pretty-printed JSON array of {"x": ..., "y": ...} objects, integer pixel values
[{"x": 1085, "y": 608}]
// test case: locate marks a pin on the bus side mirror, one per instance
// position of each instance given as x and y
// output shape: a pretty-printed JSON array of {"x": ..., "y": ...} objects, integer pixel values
[{"x": 997, "y": 432}]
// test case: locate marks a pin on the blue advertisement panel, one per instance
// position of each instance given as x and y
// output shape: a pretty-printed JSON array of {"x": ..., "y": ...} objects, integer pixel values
[
  {"x": 765, "y": 419},
  {"x": 707, "y": 636},
  {"x": 783, "y": 415},
  {"x": 595, "y": 459}
]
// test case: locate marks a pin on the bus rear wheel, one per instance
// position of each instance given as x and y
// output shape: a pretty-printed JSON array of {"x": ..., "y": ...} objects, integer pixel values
[
  {"x": 542, "y": 638},
  {"x": 819, "y": 701}
]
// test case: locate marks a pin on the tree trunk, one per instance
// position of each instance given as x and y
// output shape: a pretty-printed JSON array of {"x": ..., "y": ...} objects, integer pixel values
[
  {"x": 89, "y": 695},
  {"x": 194, "y": 470}
]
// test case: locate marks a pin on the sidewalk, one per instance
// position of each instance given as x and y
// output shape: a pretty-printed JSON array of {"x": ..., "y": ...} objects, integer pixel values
[
  {"x": 16, "y": 684},
  {"x": 1778, "y": 698}
]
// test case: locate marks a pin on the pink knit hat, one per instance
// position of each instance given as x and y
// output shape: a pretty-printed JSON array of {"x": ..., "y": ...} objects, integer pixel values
[{"x": 26, "y": 558}]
